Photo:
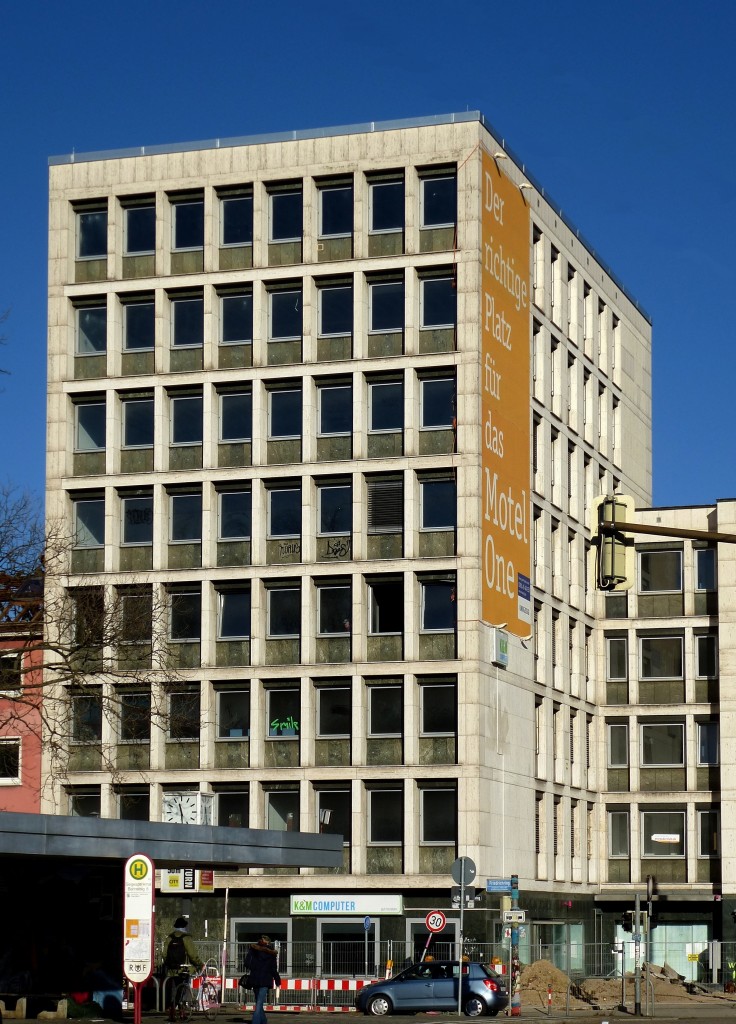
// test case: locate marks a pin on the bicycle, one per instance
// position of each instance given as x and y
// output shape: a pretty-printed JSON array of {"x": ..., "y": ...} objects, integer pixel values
[{"x": 190, "y": 997}]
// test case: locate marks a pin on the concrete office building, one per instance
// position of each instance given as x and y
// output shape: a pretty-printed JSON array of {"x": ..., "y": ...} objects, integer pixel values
[
  {"x": 665, "y": 658},
  {"x": 342, "y": 399}
]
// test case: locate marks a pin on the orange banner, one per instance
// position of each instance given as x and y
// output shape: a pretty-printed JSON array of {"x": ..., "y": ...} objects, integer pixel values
[{"x": 505, "y": 388}]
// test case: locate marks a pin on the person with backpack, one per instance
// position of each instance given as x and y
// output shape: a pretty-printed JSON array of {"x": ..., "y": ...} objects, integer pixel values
[
  {"x": 261, "y": 965},
  {"x": 180, "y": 952}
]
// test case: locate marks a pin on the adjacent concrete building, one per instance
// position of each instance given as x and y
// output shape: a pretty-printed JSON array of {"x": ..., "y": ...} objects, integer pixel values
[{"x": 341, "y": 399}]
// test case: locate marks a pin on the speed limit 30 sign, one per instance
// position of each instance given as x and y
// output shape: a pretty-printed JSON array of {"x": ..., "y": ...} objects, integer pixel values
[{"x": 435, "y": 921}]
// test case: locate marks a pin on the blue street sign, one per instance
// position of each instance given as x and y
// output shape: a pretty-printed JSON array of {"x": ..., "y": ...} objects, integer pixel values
[
  {"x": 498, "y": 885},
  {"x": 367, "y": 923}
]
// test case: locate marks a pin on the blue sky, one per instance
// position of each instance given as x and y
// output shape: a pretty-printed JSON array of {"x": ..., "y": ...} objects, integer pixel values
[{"x": 624, "y": 113}]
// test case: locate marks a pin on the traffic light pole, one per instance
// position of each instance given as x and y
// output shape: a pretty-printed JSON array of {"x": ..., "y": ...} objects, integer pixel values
[
  {"x": 637, "y": 956},
  {"x": 618, "y": 526},
  {"x": 515, "y": 962}
]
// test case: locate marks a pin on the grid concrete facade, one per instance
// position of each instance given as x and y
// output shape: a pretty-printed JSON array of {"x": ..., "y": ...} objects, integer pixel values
[{"x": 278, "y": 429}]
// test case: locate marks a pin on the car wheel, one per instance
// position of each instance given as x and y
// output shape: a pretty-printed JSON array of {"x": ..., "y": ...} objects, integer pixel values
[
  {"x": 378, "y": 1006},
  {"x": 474, "y": 1007}
]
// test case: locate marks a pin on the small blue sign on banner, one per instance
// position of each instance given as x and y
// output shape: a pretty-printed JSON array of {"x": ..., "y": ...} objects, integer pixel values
[{"x": 498, "y": 885}]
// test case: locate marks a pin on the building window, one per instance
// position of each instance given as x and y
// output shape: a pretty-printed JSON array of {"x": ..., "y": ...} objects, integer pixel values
[
  {"x": 336, "y": 211},
  {"x": 334, "y": 603},
  {"x": 334, "y": 808},
  {"x": 140, "y": 229},
  {"x": 438, "y": 709},
  {"x": 286, "y": 216},
  {"x": 618, "y": 745},
  {"x": 186, "y": 419},
  {"x": 285, "y": 512},
  {"x": 438, "y": 403},
  {"x": 439, "y": 201},
  {"x": 87, "y": 718},
  {"x": 709, "y": 834},
  {"x": 438, "y": 815},
  {"x": 335, "y": 410},
  {"x": 618, "y": 834},
  {"x": 232, "y": 809},
  {"x": 236, "y": 220},
  {"x": 385, "y": 504},
  {"x": 236, "y": 415},
  {"x": 284, "y": 612},
  {"x": 386, "y": 307},
  {"x": 186, "y": 518},
  {"x": 708, "y": 753},
  {"x": 617, "y": 660},
  {"x": 138, "y": 420},
  {"x": 89, "y": 523},
  {"x": 707, "y": 655},
  {"x": 84, "y": 802},
  {"x": 235, "y": 515},
  {"x": 234, "y": 614},
  {"x": 660, "y": 657},
  {"x": 135, "y": 605},
  {"x": 134, "y": 804},
  {"x": 284, "y": 712},
  {"x": 91, "y": 330},
  {"x": 334, "y": 711},
  {"x": 185, "y": 615},
  {"x": 335, "y": 503},
  {"x": 705, "y": 568},
  {"x": 139, "y": 326},
  {"x": 385, "y": 817},
  {"x": 663, "y": 744},
  {"x": 438, "y": 302},
  {"x": 335, "y": 311},
  {"x": 92, "y": 234},
  {"x": 285, "y": 414},
  {"x": 184, "y": 715},
  {"x": 438, "y": 504},
  {"x": 10, "y": 671},
  {"x": 387, "y": 205},
  {"x": 233, "y": 714},
  {"x": 663, "y": 833},
  {"x": 188, "y": 224},
  {"x": 90, "y": 432},
  {"x": 386, "y": 400},
  {"x": 386, "y": 604},
  {"x": 236, "y": 319},
  {"x": 138, "y": 519},
  {"x": 187, "y": 322},
  {"x": 386, "y": 710},
  {"x": 285, "y": 315},
  {"x": 135, "y": 717},
  {"x": 660, "y": 572},
  {"x": 438, "y": 606},
  {"x": 282, "y": 811}
]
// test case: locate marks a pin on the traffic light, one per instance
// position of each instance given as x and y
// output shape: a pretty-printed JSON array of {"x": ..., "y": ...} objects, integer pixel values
[{"x": 615, "y": 552}]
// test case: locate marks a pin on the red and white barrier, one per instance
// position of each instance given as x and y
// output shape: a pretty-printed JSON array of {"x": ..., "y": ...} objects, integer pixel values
[{"x": 309, "y": 985}]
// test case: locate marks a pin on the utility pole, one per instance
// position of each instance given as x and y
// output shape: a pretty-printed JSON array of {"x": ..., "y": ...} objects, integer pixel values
[
  {"x": 637, "y": 955},
  {"x": 515, "y": 962}
]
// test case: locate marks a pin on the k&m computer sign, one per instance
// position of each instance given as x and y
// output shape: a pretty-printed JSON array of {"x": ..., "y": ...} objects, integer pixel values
[{"x": 505, "y": 327}]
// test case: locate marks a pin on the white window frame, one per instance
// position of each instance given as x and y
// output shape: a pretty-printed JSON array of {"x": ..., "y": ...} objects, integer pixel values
[
  {"x": 611, "y": 854},
  {"x": 322, "y": 388},
  {"x": 176, "y": 205},
  {"x": 321, "y": 488},
  {"x": 371, "y": 391},
  {"x": 440, "y": 630},
  {"x": 235, "y": 295},
  {"x": 227, "y": 540},
  {"x": 320, "y": 294},
  {"x": 221, "y": 398},
  {"x": 223, "y": 201},
  {"x": 423, "y": 326},
  {"x": 138, "y": 348},
  {"x": 424, "y": 181},
  {"x": 423, "y": 816},
  {"x": 135, "y": 497},
  {"x": 179, "y": 301},
  {"x": 382, "y": 184},
  {"x": 270, "y": 591},
  {"x": 220, "y": 695},
  {"x": 712, "y": 553},
  {"x": 662, "y": 551},
  {"x": 173, "y": 399},
  {"x": 609, "y": 677},
  {"x": 644, "y": 814},
  {"x": 701, "y": 813},
  {"x": 86, "y": 405},
  {"x": 77, "y": 331},
  {"x": 284, "y": 536},
  {"x": 716, "y": 727},
  {"x": 272, "y": 340},
  {"x": 138, "y": 206},
  {"x": 424, "y": 694},
  {"x": 422, "y": 404},
  {"x": 320, "y": 591},
  {"x": 710, "y": 638},
  {"x": 381, "y": 284},
  {"x": 321, "y": 691},
  {"x": 644, "y": 678},
  {"x": 15, "y": 655},
  {"x": 172, "y": 503},
  {"x": 128, "y": 403},
  {"x": 278, "y": 193},
  {"x": 435, "y": 529},
  {"x": 85, "y": 213},
  {"x": 88, "y": 501},
  {"x": 284, "y": 437},
  {"x": 394, "y": 843},
  {"x": 221, "y": 595},
  {"x": 321, "y": 191}
]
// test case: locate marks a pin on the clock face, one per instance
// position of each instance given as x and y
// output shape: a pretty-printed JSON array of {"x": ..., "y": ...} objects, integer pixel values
[{"x": 180, "y": 808}]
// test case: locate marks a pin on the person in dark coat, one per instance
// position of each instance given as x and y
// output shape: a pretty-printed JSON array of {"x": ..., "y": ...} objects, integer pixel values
[
  {"x": 261, "y": 963},
  {"x": 180, "y": 951}
]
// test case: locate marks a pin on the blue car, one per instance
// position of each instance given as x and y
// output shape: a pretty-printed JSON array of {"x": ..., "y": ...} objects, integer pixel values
[{"x": 432, "y": 985}]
